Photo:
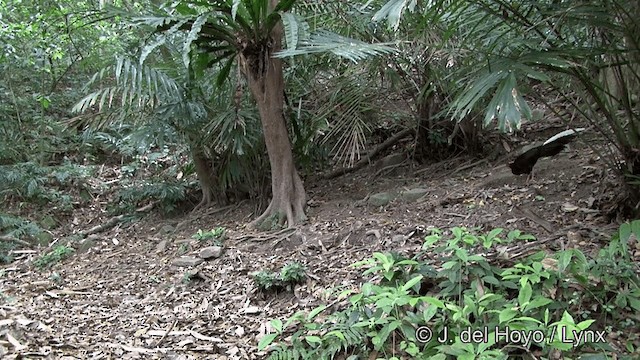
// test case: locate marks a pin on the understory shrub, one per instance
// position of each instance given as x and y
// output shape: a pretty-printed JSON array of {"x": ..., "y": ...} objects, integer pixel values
[{"x": 473, "y": 302}]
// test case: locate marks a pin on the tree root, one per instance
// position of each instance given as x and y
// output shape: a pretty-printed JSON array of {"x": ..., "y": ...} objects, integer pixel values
[
  {"x": 204, "y": 203},
  {"x": 287, "y": 205}
]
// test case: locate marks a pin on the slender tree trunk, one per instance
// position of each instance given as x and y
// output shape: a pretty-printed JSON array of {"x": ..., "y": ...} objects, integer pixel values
[
  {"x": 207, "y": 180},
  {"x": 266, "y": 82}
]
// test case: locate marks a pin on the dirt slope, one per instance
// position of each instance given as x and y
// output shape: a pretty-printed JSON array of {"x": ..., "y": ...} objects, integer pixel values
[{"x": 118, "y": 299}]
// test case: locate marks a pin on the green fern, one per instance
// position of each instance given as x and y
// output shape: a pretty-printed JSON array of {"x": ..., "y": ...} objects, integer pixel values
[
  {"x": 166, "y": 192},
  {"x": 339, "y": 337},
  {"x": 42, "y": 184},
  {"x": 24, "y": 180},
  {"x": 18, "y": 228}
]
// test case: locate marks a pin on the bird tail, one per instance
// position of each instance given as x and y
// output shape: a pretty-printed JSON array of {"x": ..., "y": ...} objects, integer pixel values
[{"x": 562, "y": 134}]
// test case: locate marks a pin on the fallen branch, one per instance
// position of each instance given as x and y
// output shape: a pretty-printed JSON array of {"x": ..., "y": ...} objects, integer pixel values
[
  {"x": 173, "y": 324},
  {"x": 537, "y": 219},
  {"x": 279, "y": 235},
  {"x": 15, "y": 240},
  {"x": 367, "y": 159},
  {"x": 102, "y": 227},
  {"x": 387, "y": 168},
  {"x": 469, "y": 166}
]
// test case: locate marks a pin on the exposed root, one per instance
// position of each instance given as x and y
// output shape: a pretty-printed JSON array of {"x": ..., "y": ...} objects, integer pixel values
[
  {"x": 287, "y": 205},
  {"x": 206, "y": 200}
]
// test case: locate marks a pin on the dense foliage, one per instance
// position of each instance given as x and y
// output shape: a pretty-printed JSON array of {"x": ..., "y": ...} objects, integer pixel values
[
  {"x": 129, "y": 106},
  {"x": 463, "y": 305}
]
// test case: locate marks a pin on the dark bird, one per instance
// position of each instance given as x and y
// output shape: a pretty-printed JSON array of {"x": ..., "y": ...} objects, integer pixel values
[{"x": 524, "y": 163}]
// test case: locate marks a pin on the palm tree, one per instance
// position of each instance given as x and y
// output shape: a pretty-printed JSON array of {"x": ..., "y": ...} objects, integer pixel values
[
  {"x": 585, "y": 53},
  {"x": 266, "y": 82},
  {"x": 225, "y": 155},
  {"x": 248, "y": 33}
]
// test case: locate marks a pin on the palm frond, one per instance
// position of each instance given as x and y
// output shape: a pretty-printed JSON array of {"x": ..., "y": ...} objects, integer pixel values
[
  {"x": 193, "y": 34},
  {"x": 392, "y": 11},
  {"x": 295, "y": 30},
  {"x": 157, "y": 88},
  {"x": 324, "y": 41},
  {"x": 348, "y": 111}
]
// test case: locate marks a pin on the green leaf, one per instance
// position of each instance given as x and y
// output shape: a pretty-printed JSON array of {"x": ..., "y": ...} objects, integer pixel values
[
  {"x": 266, "y": 341},
  {"x": 493, "y": 233},
  {"x": 529, "y": 319},
  {"x": 506, "y": 315},
  {"x": 567, "y": 318},
  {"x": 315, "y": 312},
  {"x": 291, "y": 30},
  {"x": 193, "y": 34},
  {"x": 490, "y": 279},
  {"x": 284, "y": 5},
  {"x": 487, "y": 299},
  {"x": 311, "y": 339},
  {"x": 277, "y": 325},
  {"x": 564, "y": 259},
  {"x": 449, "y": 265},
  {"x": 386, "y": 330},
  {"x": 430, "y": 240},
  {"x": 462, "y": 254},
  {"x": 299, "y": 315},
  {"x": 457, "y": 232},
  {"x": 336, "y": 333},
  {"x": 223, "y": 75},
  {"x": 412, "y": 282},
  {"x": 485, "y": 345},
  {"x": 149, "y": 47},
  {"x": 271, "y": 22},
  {"x": 538, "y": 302},
  {"x": 634, "y": 303},
  {"x": 429, "y": 312},
  {"x": 323, "y": 41},
  {"x": 234, "y": 8},
  {"x": 392, "y": 11},
  {"x": 584, "y": 324},
  {"x": 635, "y": 228},
  {"x": 525, "y": 294},
  {"x": 433, "y": 301},
  {"x": 252, "y": 8},
  {"x": 625, "y": 232}
]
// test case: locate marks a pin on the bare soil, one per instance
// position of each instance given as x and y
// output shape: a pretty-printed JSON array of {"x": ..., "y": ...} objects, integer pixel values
[{"x": 122, "y": 298}]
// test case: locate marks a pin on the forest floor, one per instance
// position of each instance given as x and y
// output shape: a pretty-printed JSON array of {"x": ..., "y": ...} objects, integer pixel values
[{"x": 123, "y": 297}]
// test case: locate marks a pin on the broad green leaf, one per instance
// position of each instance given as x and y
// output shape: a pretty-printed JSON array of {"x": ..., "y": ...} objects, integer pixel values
[
  {"x": 266, "y": 341},
  {"x": 506, "y": 315},
  {"x": 409, "y": 284},
  {"x": 392, "y": 11},
  {"x": 311, "y": 339},
  {"x": 525, "y": 294},
  {"x": 276, "y": 324},
  {"x": 315, "y": 312}
]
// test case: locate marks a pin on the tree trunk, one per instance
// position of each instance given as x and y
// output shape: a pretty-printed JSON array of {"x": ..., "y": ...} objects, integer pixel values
[
  {"x": 266, "y": 82},
  {"x": 207, "y": 179}
]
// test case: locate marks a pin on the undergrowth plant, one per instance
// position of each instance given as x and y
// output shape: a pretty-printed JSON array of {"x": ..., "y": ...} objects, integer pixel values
[
  {"x": 465, "y": 304},
  {"x": 53, "y": 257},
  {"x": 291, "y": 273},
  {"x": 41, "y": 185},
  {"x": 214, "y": 236},
  {"x": 167, "y": 193},
  {"x": 15, "y": 230},
  {"x": 152, "y": 175}
]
